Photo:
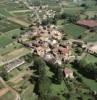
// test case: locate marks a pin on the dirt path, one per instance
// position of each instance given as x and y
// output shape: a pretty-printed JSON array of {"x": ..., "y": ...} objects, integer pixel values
[
  {"x": 17, "y": 96},
  {"x": 3, "y": 91}
]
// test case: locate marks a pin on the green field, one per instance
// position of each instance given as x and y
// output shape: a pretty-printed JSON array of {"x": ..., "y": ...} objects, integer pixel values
[
  {"x": 6, "y": 38},
  {"x": 6, "y": 25},
  {"x": 28, "y": 93},
  {"x": 12, "y": 6},
  {"x": 90, "y": 58},
  {"x": 10, "y": 48},
  {"x": 92, "y": 38},
  {"x": 73, "y": 30},
  {"x": 73, "y": 10},
  {"x": 44, "y": 2}
]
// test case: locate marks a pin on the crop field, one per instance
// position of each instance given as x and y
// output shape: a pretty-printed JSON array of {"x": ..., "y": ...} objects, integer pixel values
[
  {"x": 44, "y": 2},
  {"x": 90, "y": 2},
  {"x": 4, "y": 12},
  {"x": 24, "y": 16},
  {"x": 6, "y": 25},
  {"x": 73, "y": 10},
  {"x": 9, "y": 48},
  {"x": 12, "y": 6},
  {"x": 6, "y": 38},
  {"x": 73, "y": 30},
  {"x": 17, "y": 53}
]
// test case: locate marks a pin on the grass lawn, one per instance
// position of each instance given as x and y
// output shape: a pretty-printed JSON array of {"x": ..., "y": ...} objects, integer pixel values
[
  {"x": 59, "y": 89},
  {"x": 7, "y": 96},
  {"x": 28, "y": 94},
  {"x": 48, "y": 72},
  {"x": 6, "y": 38},
  {"x": 90, "y": 58},
  {"x": 92, "y": 38},
  {"x": 73, "y": 30},
  {"x": 92, "y": 84}
]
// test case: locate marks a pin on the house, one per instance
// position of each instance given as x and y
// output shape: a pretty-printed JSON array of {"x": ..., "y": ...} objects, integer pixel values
[
  {"x": 68, "y": 73},
  {"x": 93, "y": 49},
  {"x": 48, "y": 57},
  {"x": 56, "y": 35},
  {"x": 64, "y": 51},
  {"x": 40, "y": 51},
  {"x": 87, "y": 23}
]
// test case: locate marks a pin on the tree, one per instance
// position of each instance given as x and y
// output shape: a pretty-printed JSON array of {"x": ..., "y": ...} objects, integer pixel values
[
  {"x": 59, "y": 75},
  {"x": 78, "y": 50},
  {"x": 87, "y": 69},
  {"x": 44, "y": 87},
  {"x": 4, "y": 74},
  {"x": 40, "y": 65},
  {"x": 28, "y": 58}
]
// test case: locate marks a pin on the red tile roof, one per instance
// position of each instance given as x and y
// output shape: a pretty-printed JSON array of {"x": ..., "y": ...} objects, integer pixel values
[
  {"x": 64, "y": 50},
  {"x": 89, "y": 23},
  {"x": 67, "y": 71}
]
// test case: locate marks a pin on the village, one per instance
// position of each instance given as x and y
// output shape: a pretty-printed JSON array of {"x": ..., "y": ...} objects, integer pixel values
[{"x": 48, "y": 50}]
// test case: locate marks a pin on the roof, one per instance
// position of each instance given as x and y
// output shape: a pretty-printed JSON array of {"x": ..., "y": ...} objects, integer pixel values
[
  {"x": 89, "y": 23},
  {"x": 67, "y": 71},
  {"x": 64, "y": 50},
  {"x": 94, "y": 48}
]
